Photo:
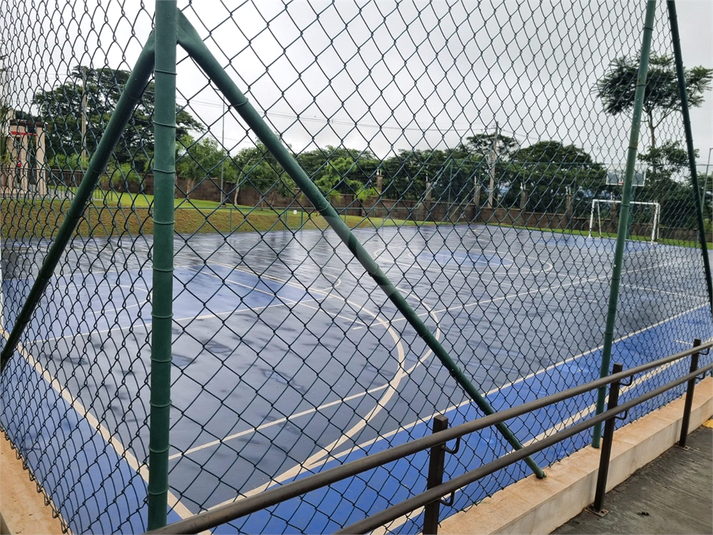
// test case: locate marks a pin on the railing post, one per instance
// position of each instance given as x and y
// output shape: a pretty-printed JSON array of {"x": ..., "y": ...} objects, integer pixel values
[
  {"x": 608, "y": 438},
  {"x": 436, "y": 462},
  {"x": 689, "y": 397}
]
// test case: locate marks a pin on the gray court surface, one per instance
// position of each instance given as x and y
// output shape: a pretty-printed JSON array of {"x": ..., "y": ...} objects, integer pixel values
[{"x": 289, "y": 359}]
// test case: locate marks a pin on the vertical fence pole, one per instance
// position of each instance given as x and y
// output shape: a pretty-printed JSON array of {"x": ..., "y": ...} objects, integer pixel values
[
  {"x": 685, "y": 421},
  {"x": 605, "y": 455},
  {"x": 625, "y": 206},
  {"x": 162, "y": 302},
  {"x": 435, "y": 477},
  {"x": 673, "y": 21}
]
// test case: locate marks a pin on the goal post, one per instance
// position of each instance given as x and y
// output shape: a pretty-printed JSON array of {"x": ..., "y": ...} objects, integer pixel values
[{"x": 603, "y": 217}]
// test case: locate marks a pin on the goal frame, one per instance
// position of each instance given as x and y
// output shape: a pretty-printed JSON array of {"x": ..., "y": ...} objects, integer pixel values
[{"x": 654, "y": 227}]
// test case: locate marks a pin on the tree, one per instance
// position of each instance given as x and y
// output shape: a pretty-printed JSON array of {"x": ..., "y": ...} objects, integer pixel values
[
  {"x": 550, "y": 168},
  {"x": 483, "y": 145},
  {"x": 205, "y": 158},
  {"x": 406, "y": 173},
  {"x": 335, "y": 179},
  {"x": 257, "y": 167},
  {"x": 61, "y": 110},
  {"x": 494, "y": 151},
  {"x": 315, "y": 162},
  {"x": 617, "y": 88},
  {"x": 664, "y": 163}
]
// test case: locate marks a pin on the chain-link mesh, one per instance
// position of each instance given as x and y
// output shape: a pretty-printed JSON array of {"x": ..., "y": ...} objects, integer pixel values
[{"x": 477, "y": 151}]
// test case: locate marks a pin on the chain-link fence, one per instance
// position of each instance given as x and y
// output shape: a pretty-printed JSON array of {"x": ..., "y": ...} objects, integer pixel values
[{"x": 476, "y": 150}]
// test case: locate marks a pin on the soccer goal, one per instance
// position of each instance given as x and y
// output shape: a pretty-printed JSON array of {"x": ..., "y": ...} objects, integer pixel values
[{"x": 643, "y": 220}]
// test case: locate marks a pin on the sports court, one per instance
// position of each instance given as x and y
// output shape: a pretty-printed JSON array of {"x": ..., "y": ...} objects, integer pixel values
[{"x": 286, "y": 360}]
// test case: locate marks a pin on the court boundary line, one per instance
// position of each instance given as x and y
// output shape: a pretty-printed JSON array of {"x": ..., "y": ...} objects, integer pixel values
[
  {"x": 111, "y": 440},
  {"x": 426, "y": 420},
  {"x": 434, "y": 313},
  {"x": 645, "y": 289}
]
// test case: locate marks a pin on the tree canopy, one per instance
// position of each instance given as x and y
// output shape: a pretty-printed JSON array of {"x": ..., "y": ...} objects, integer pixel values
[
  {"x": 483, "y": 145},
  {"x": 549, "y": 168},
  {"x": 617, "y": 88},
  {"x": 61, "y": 110}
]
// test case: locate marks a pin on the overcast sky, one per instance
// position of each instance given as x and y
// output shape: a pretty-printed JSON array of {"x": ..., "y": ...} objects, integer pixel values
[
  {"x": 382, "y": 76},
  {"x": 696, "y": 27}
]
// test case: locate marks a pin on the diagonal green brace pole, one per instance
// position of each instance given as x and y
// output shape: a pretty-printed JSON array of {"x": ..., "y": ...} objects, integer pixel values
[
  {"x": 673, "y": 21},
  {"x": 162, "y": 302},
  {"x": 189, "y": 39},
  {"x": 624, "y": 210},
  {"x": 124, "y": 109}
]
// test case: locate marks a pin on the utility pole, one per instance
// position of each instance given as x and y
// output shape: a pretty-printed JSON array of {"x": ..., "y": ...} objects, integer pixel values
[
  {"x": 493, "y": 159},
  {"x": 222, "y": 146},
  {"x": 84, "y": 115},
  {"x": 705, "y": 185}
]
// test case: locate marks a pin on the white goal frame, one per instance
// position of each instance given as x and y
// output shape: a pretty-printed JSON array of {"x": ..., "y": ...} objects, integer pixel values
[{"x": 596, "y": 203}]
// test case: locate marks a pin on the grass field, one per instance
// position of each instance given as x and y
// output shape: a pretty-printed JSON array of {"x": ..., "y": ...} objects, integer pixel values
[
  {"x": 121, "y": 214},
  {"x": 114, "y": 213}
]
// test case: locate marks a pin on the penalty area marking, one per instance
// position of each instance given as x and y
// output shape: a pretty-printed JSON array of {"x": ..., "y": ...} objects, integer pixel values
[{"x": 426, "y": 420}]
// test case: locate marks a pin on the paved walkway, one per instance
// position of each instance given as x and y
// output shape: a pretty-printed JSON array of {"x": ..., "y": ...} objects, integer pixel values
[{"x": 672, "y": 494}]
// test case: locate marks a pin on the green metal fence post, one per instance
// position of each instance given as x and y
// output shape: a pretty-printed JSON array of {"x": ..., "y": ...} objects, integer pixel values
[
  {"x": 163, "y": 219},
  {"x": 625, "y": 207},
  {"x": 122, "y": 113},
  {"x": 189, "y": 39},
  {"x": 673, "y": 20}
]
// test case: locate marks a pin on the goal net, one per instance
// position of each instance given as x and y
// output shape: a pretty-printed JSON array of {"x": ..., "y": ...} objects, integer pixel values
[{"x": 643, "y": 220}]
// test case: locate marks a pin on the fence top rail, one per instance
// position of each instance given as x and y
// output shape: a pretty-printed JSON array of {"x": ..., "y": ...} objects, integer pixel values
[{"x": 232, "y": 511}]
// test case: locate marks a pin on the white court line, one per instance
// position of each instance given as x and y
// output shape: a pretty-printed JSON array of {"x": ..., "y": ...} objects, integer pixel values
[
  {"x": 428, "y": 419},
  {"x": 298, "y": 469},
  {"x": 315, "y": 409},
  {"x": 533, "y": 291},
  {"x": 361, "y": 394},
  {"x": 664, "y": 291},
  {"x": 111, "y": 440},
  {"x": 320, "y": 458},
  {"x": 554, "y": 429},
  {"x": 332, "y": 286}
]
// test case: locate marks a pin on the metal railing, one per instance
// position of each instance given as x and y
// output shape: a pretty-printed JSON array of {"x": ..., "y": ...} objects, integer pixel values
[{"x": 441, "y": 436}]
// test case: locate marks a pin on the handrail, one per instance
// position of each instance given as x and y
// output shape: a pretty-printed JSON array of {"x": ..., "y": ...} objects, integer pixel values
[
  {"x": 402, "y": 508},
  {"x": 226, "y": 513}
]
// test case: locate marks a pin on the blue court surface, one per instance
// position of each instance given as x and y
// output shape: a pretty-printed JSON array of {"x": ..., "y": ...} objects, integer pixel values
[{"x": 288, "y": 360}]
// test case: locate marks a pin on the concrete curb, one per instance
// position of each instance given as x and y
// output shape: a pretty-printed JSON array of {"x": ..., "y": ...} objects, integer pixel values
[
  {"x": 22, "y": 508},
  {"x": 536, "y": 506}
]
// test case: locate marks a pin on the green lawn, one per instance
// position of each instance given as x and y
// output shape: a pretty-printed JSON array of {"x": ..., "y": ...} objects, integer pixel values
[{"x": 113, "y": 213}]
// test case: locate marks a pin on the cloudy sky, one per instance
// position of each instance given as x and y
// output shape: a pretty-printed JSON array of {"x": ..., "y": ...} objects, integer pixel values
[
  {"x": 695, "y": 23},
  {"x": 383, "y": 75}
]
